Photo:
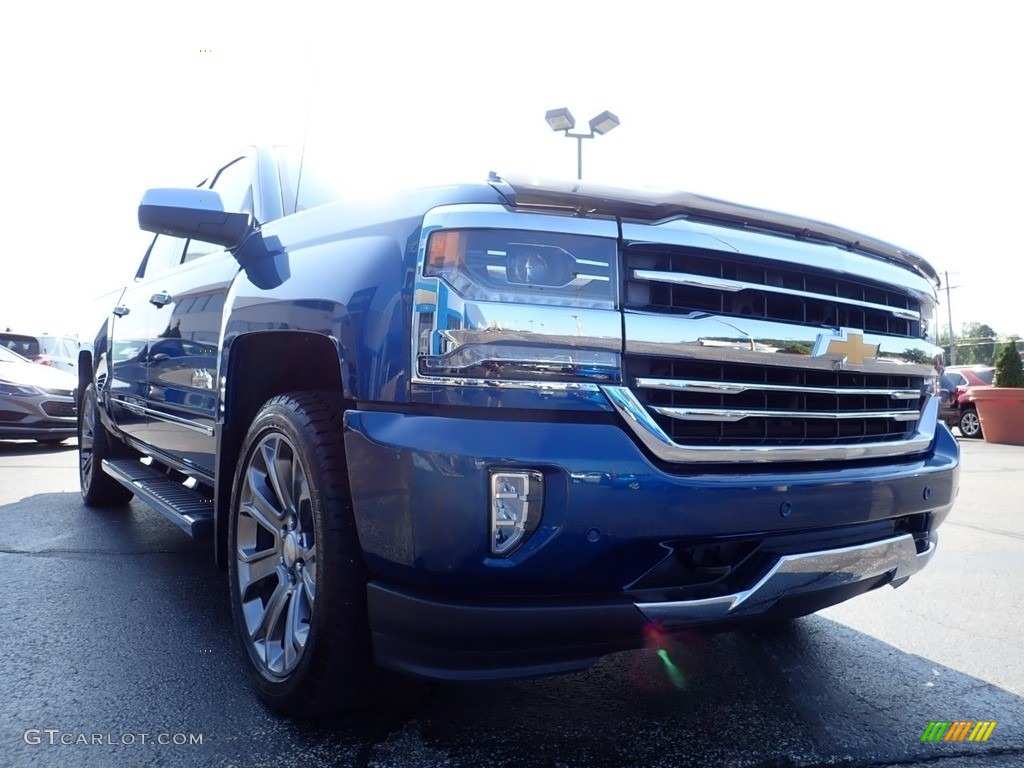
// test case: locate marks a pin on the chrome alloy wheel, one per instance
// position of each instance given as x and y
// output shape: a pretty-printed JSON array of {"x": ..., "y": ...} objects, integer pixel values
[
  {"x": 276, "y": 555},
  {"x": 970, "y": 424},
  {"x": 87, "y": 438}
]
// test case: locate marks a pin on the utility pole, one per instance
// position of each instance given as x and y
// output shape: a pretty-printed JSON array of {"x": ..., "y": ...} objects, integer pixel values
[{"x": 949, "y": 309}]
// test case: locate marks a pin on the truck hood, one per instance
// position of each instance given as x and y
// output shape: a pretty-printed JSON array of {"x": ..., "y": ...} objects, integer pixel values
[{"x": 660, "y": 206}]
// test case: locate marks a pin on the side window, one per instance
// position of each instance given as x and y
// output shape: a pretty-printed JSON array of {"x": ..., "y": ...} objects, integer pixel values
[
  {"x": 233, "y": 183},
  {"x": 164, "y": 252}
]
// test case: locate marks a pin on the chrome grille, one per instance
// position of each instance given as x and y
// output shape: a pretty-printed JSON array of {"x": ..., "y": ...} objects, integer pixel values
[
  {"x": 707, "y": 403},
  {"x": 661, "y": 278}
]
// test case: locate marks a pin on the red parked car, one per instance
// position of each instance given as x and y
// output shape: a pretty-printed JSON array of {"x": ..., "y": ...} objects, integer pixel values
[{"x": 957, "y": 408}]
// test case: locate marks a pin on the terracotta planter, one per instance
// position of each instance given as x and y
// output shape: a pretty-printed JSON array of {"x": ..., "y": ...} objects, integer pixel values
[{"x": 1001, "y": 410}]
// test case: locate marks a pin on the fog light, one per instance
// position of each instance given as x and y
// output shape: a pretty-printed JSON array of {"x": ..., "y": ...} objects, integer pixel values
[{"x": 516, "y": 501}]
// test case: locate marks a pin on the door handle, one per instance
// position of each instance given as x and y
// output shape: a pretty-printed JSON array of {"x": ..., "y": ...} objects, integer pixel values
[
  {"x": 121, "y": 310},
  {"x": 160, "y": 299}
]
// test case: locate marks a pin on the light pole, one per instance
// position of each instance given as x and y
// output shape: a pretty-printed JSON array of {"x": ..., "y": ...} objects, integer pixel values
[{"x": 562, "y": 120}]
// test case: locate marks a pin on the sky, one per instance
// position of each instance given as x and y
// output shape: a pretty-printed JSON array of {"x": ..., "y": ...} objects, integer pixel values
[{"x": 899, "y": 120}]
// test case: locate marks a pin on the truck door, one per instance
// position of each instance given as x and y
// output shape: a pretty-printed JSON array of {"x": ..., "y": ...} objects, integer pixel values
[
  {"x": 130, "y": 336},
  {"x": 181, "y": 366}
]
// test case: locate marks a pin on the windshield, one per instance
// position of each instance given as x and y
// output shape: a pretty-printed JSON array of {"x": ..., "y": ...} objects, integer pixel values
[
  {"x": 26, "y": 346},
  {"x": 313, "y": 188},
  {"x": 986, "y": 376}
]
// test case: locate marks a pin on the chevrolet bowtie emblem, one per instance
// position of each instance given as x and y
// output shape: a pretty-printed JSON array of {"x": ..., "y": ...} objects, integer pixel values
[{"x": 849, "y": 346}]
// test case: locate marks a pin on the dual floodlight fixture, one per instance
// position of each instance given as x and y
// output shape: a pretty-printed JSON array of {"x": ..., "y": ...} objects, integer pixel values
[{"x": 562, "y": 120}]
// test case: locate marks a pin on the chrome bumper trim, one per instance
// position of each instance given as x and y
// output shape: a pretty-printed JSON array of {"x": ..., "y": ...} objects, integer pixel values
[
  {"x": 653, "y": 437},
  {"x": 799, "y": 574}
]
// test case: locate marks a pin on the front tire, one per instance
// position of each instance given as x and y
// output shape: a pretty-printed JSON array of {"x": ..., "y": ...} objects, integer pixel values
[
  {"x": 298, "y": 584},
  {"x": 970, "y": 424},
  {"x": 94, "y": 445}
]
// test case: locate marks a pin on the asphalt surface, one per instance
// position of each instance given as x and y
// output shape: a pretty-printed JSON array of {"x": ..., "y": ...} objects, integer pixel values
[{"x": 115, "y": 632}]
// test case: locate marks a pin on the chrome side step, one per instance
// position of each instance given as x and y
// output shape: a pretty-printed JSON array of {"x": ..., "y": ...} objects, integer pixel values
[
  {"x": 800, "y": 574},
  {"x": 187, "y": 509}
]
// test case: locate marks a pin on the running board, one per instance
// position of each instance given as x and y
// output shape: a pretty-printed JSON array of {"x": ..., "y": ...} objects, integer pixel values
[{"x": 184, "y": 507}]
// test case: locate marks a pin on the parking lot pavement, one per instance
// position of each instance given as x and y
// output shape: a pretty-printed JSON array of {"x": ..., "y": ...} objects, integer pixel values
[
  {"x": 966, "y": 610},
  {"x": 115, "y": 627}
]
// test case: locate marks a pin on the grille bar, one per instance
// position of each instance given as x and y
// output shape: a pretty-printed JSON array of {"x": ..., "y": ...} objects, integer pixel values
[
  {"x": 735, "y": 388},
  {"x": 733, "y": 415},
  {"x": 734, "y": 286}
]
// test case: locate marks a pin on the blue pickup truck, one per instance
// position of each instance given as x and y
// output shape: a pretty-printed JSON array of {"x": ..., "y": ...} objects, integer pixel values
[{"x": 502, "y": 429}]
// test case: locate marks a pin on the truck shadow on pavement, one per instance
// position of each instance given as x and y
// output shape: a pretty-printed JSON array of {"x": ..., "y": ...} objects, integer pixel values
[{"x": 115, "y": 623}]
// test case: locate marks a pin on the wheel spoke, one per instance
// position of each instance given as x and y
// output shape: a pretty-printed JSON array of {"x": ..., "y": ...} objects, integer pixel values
[
  {"x": 294, "y": 638},
  {"x": 272, "y": 613},
  {"x": 299, "y": 490},
  {"x": 277, "y": 457},
  {"x": 309, "y": 583},
  {"x": 261, "y": 507},
  {"x": 254, "y": 567}
]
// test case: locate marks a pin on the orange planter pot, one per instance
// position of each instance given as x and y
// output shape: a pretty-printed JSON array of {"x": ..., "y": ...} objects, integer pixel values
[{"x": 1001, "y": 410}]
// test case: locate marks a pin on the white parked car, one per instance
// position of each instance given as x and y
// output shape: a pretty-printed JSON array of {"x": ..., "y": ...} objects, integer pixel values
[{"x": 55, "y": 351}]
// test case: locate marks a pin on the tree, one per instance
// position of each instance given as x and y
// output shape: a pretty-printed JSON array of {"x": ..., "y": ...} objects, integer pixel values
[
  {"x": 976, "y": 345},
  {"x": 1009, "y": 368}
]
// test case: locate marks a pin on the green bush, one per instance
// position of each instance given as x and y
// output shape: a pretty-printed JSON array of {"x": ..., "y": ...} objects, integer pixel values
[{"x": 1009, "y": 368}]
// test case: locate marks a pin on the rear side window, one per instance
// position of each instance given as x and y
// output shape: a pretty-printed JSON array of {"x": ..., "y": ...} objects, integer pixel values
[{"x": 986, "y": 376}]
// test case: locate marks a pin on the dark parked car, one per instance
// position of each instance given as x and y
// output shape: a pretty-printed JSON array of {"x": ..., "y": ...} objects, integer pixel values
[
  {"x": 36, "y": 403},
  {"x": 957, "y": 407}
]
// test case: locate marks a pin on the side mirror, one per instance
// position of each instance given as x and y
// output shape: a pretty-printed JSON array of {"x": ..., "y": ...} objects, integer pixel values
[{"x": 193, "y": 213}]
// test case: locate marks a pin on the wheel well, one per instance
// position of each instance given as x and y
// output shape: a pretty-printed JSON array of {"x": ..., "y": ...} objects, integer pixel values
[{"x": 260, "y": 366}]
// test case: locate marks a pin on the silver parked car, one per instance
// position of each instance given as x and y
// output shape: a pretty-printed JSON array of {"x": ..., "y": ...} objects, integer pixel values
[
  {"x": 36, "y": 402},
  {"x": 55, "y": 351}
]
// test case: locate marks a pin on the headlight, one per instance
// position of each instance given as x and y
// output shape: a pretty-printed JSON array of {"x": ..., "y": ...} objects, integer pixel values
[
  {"x": 526, "y": 267},
  {"x": 18, "y": 390}
]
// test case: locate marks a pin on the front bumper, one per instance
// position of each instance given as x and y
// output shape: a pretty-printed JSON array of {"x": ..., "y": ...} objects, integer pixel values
[
  {"x": 616, "y": 530},
  {"x": 479, "y": 641},
  {"x": 46, "y": 417}
]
